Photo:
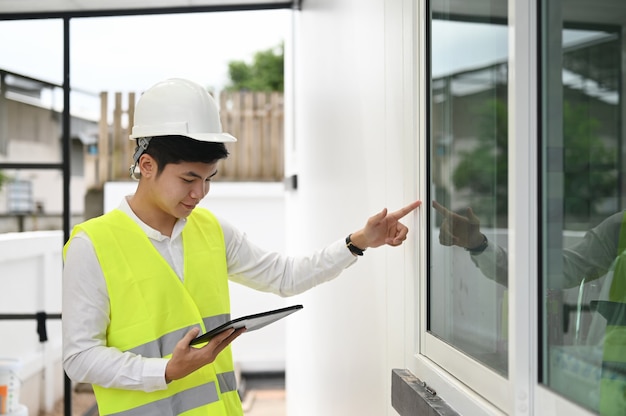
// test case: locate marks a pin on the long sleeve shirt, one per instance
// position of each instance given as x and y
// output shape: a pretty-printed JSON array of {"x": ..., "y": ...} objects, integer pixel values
[
  {"x": 86, "y": 356},
  {"x": 588, "y": 259}
]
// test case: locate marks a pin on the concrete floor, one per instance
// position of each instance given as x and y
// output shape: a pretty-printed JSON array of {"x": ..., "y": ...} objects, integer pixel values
[
  {"x": 263, "y": 394},
  {"x": 264, "y": 403}
]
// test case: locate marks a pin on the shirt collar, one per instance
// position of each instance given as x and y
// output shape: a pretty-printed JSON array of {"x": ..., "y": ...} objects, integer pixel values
[{"x": 151, "y": 232}]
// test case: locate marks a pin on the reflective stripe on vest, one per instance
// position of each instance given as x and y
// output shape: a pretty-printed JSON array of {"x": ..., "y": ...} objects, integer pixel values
[
  {"x": 165, "y": 345},
  {"x": 151, "y": 310},
  {"x": 176, "y": 404},
  {"x": 186, "y": 400}
]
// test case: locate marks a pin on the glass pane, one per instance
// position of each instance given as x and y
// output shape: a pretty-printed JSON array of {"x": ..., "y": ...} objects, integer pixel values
[
  {"x": 31, "y": 106},
  {"x": 33, "y": 48},
  {"x": 31, "y": 98},
  {"x": 31, "y": 200},
  {"x": 582, "y": 283},
  {"x": 467, "y": 294}
]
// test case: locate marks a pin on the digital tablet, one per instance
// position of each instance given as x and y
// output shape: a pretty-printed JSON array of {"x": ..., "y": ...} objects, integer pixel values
[{"x": 250, "y": 322}]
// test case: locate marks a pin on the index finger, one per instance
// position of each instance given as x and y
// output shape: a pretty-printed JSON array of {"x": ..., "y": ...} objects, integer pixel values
[
  {"x": 442, "y": 210},
  {"x": 403, "y": 211}
]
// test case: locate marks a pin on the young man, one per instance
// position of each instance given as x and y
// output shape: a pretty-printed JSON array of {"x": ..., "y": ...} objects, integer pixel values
[{"x": 142, "y": 281}]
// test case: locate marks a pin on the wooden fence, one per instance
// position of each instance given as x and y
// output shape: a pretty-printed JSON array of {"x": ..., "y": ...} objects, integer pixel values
[{"x": 254, "y": 118}]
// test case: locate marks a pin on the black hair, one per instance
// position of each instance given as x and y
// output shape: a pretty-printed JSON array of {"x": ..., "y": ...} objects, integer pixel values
[{"x": 178, "y": 149}]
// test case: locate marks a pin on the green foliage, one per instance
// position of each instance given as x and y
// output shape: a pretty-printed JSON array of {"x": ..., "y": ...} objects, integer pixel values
[
  {"x": 589, "y": 166},
  {"x": 484, "y": 169},
  {"x": 266, "y": 73}
]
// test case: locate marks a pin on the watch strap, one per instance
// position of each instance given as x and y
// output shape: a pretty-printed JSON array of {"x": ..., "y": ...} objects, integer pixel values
[
  {"x": 479, "y": 249},
  {"x": 353, "y": 249}
]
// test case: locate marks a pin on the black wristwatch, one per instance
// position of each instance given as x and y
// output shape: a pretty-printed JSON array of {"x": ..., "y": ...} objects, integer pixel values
[
  {"x": 353, "y": 249},
  {"x": 480, "y": 248}
]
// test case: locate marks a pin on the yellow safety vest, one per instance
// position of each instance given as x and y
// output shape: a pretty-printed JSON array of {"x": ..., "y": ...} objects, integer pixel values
[
  {"x": 613, "y": 381},
  {"x": 151, "y": 310}
]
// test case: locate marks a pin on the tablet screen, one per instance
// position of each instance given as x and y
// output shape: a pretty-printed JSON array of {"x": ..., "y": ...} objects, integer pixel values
[{"x": 250, "y": 322}]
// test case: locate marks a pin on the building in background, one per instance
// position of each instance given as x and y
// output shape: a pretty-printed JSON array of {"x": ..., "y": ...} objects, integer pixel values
[{"x": 31, "y": 133}]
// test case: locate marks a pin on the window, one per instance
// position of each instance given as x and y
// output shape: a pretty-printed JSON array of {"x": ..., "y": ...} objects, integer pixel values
[
  {"x": 467, "y": 313},
  {"x": 468, "y": 150},
  {"x": 531, "y": 139},
  {"x": 31, "y": 107},
  {"x": 582, "y": 217}
]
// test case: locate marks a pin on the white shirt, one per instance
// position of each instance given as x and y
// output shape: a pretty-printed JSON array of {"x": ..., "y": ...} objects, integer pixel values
[
  {"x": 87, "y": 358},
  {"x": 588, "y": 259}
]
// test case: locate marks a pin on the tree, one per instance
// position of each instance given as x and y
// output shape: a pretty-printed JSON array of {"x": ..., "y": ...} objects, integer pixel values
[
  {"x": 589, "y": 166},
  {"x": 484, "y": 169},
  {"x": 266, "y": 73}
]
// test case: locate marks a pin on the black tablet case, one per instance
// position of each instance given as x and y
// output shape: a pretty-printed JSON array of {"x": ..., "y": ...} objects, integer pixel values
[{"x": 250, "y": 322}]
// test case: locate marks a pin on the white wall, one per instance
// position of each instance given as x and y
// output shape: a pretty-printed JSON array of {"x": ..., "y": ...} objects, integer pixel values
[
  {"x": 354, "y": 150},
  {"x": 30, "y": 282}
]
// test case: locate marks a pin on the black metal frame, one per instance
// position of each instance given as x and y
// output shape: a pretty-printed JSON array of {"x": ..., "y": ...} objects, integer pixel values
[
  {"x": 64, "y": 166},
  {"x": 291, "y": 4}
]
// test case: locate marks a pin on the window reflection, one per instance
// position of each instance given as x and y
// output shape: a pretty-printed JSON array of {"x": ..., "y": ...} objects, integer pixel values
[
  {"x": 583, "y": 237},
  {"x": 468, "y": 175}
]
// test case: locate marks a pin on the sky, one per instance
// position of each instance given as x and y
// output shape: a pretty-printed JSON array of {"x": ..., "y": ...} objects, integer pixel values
[{"x": 131, "y": 53}]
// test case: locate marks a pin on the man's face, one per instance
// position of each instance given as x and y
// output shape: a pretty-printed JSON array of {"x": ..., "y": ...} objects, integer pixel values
[{"x": 180, "y": 187}]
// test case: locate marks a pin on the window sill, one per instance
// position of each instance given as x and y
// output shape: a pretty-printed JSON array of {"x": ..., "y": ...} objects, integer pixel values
[{"x": 409, "y": 397}]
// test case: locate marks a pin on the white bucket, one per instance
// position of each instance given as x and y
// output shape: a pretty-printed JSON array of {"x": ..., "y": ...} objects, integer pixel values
[{"x": 9, "y": 386}]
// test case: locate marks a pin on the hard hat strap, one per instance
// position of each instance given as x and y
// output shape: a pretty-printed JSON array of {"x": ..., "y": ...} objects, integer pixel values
[{"x": 142, "y": 145}]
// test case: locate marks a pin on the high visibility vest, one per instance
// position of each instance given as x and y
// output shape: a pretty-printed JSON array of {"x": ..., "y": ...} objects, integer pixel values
[
  {"x": 151, "y": 310},
  {"x": 613, "y": 381}
]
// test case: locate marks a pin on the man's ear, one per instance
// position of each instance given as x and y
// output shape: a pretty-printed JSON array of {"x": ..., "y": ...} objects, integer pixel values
[{"x": 147, "y": 166}]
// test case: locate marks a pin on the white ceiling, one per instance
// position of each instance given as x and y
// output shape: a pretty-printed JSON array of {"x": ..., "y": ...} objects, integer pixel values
[{"x": 87, "y": 6}]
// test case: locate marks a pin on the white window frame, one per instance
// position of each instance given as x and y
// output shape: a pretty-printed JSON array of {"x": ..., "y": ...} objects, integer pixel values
[{"x": 468, "y": 386}]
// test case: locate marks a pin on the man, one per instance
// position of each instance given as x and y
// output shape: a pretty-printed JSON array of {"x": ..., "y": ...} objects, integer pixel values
[{"x": 141, "y": 282}]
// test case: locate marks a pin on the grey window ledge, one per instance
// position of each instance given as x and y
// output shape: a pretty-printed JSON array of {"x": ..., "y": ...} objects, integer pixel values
[{"x": 410, "y": 397}]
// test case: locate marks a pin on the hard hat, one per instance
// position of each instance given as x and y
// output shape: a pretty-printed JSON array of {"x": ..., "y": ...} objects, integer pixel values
[{"x": 178, "y": 107}]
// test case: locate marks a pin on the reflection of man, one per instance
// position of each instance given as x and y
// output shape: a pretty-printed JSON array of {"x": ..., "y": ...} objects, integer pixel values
[
  {"x": 589, "y": 259},
  {"x": 602, "y": 250}
]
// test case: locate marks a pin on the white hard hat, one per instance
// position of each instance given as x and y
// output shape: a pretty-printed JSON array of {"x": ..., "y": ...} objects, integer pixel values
[{"x": 178, "y": 107}]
